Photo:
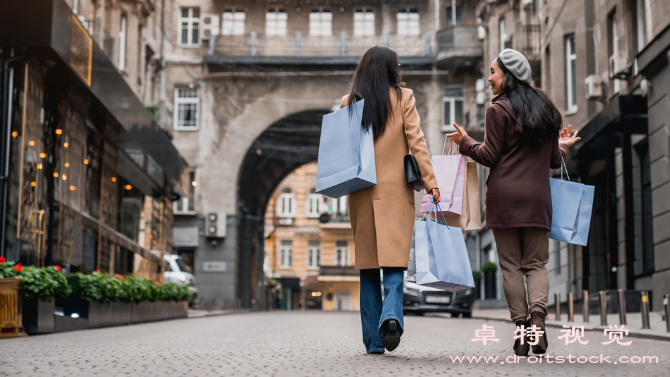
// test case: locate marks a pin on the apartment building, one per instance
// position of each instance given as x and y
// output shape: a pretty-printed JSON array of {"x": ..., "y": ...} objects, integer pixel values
[
  {"x": 309, "y": 246},
  {"x": 247, "y": 83}
]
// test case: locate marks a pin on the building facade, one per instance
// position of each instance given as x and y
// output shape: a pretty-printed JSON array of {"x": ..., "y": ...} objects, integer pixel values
[
  {"x": 91, "y": 176},
  {"x": 247, "y": 83},
  {"x": 309, "y": 242}
]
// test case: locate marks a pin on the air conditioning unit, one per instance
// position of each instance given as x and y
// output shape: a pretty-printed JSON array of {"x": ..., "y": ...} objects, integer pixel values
[
  {"x": 481, "y": 32},
  {"x": 527, "y": 4},
  {"x": 594, "y": 87},
  {"x": 215, "y": 225},
  {"x": 210, "y": 26},
  {"x": 619, "y": 65}
]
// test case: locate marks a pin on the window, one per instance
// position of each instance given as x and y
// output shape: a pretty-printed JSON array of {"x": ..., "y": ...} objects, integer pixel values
[
  {"x": 275, "y": 21},
  {"x": 452, "y": 104},
  {"x": 454, "y": 18},
  {"x": 342, "y": 253},
  {"x": 571, "y": 77},
  {"x": 187, "y": 203},
  {"x": 408, "y": 22},
  {"x": 641, "y": 24},
  {"x": 339, "y": 206},
  {"x": 286, "y": 203},
  {"x": 364, "y": 22},
  {"x": 123, "y": 34},
  {"x": 614, "y": 48},
  {"x": 233, "y": 22},
  {"x": 186, "y": 104},
  {"x": 502, "y": 26},
  {"x": 314, "y": 203},
  {"x": 286, "y": 254},
  {"x": 189, "y": 27},
  {"x": 320, "y": 22},
  {"x": 313, "y": 254}
]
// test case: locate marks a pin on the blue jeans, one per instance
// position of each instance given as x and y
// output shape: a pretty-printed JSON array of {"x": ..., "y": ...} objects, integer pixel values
[{"x": 373, "y": 312}]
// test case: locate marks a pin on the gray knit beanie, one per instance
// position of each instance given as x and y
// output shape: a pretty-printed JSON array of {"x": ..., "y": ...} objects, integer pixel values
[{"x": 516, "y": 64}]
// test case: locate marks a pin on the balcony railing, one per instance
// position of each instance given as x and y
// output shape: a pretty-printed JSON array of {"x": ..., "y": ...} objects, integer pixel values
[
  {"x": 254, "y": 44},
  {"x": 338, "y": 271},
  {"x": 458, "y": 46},
  {"x": 531, "y": 41}
]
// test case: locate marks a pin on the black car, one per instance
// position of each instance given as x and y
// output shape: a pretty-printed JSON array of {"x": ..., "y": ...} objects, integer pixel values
[{"x": 419, "y": 300}]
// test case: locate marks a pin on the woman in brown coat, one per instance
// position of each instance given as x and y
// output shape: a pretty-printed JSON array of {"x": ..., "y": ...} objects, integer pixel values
[
  {"x": 382, "y": 216},
  {"x": 521, "y": 145}
]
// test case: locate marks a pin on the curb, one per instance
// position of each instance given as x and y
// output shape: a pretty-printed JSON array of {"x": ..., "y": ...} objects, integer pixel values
[
  {"x": 632, "y": 334},
  {"x": 214, "y": 313}
]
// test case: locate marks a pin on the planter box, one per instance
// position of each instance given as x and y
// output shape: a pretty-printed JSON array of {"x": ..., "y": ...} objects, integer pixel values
[
  {"x": 11, "y": 319},
  {"x": 38, "y": 315},
  {"x": 97, "y": 314},
  {"x": 108, "y": 314}
]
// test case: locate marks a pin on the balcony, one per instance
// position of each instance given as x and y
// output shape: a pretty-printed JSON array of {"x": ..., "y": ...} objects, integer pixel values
[
  {"x": 458, "y": 47},
  {"x": 299, "y": 49}
]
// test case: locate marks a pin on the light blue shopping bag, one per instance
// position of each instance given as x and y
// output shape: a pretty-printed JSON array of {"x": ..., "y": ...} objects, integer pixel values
[
  {"x": 572, "y": 204},
  {"x": 346, "y": 154},
  {"x": 441, "y": 255}
]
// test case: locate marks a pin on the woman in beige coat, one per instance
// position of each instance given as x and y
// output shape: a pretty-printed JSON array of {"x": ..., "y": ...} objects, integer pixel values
[{"x": 382, "y": 216}]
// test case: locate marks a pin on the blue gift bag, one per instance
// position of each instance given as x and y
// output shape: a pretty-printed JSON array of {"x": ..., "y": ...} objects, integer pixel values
[
  {"x": 572, "y": 204},
  {"x": 441, "y": 255},
  {"x": 346, "y": 154}
]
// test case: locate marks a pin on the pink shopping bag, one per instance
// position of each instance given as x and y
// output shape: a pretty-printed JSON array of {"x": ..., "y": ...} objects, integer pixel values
[{"x": 450, "y": 173}]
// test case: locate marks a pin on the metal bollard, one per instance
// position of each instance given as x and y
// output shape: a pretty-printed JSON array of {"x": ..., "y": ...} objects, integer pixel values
[
  {"x": 558, "y": 306},
  {"x": 622, "y": 307},
  {"x": 644, "y": 310},
  {"x": 571, "y": 308},
  {"x": 585, "y": 306},
  {"x": 603, "y": 308},
  {"x": 666, "y": 304}
]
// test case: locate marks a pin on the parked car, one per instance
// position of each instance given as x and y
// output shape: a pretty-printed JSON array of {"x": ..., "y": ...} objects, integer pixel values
[
  {"x": 176, "y": 272},
  {"x": 419, "y": 300}
]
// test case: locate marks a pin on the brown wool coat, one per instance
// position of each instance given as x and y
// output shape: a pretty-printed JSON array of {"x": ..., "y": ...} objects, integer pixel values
[
  {"x": 382, "y": 216},
  {"x": 517, "y": 190}
]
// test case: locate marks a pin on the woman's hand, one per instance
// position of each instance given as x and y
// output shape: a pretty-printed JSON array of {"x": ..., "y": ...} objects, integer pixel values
[
  {"x": 457, "y": 136},
  {"x": 566, "y": 139},
  {"x": 435, "y": 193}
]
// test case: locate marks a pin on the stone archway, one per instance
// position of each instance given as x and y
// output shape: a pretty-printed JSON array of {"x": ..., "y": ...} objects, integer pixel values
[{"x": 283, "y": 147}]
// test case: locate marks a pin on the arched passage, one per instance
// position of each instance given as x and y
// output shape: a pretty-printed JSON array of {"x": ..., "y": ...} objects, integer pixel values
[{"x": 283, "y": 147}]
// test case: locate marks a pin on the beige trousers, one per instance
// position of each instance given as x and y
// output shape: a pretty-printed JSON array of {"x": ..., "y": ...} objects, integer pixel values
[{"x": 524, "y": 251}]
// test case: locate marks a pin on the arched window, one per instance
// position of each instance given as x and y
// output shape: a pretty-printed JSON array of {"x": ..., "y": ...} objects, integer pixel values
[
  {"x": 314, "y": 204},
  {"x": 286, "y": 203}
]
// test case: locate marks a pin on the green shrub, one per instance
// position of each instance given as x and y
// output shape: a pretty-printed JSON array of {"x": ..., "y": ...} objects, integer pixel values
[
  {"x": 489, "y": 267},
  {"x": 476, "y": 275},
  {"x": 43, "y": 283},
  {"x": 107, "y": 288}
]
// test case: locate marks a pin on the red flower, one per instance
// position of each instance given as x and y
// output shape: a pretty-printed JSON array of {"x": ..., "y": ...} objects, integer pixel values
[
  {"x": 2, "y": 259},
  {"x": 18, "y": 267},
  {"x": 153, "y": 279},
  {"x": 98, "y": 271},
  {"x": 58, "y": 268}
]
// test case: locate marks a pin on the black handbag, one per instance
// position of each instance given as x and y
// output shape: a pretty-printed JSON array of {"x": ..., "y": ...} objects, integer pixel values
[{"x": 412, "y": 172}]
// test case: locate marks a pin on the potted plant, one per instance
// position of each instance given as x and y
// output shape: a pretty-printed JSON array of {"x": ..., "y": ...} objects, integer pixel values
[
  {"x": 10, "y": 312},
  {"x": 477, "y": 276},
  {"x": 489, "y": 269},
  {"x": 39, "y": 288}
]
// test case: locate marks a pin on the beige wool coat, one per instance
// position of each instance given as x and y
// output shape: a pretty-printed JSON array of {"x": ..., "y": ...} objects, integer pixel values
[{"x": 382, "y": 216}]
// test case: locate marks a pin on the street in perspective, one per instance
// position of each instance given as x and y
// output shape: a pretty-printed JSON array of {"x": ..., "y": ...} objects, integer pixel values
[{"x": 334, "y": 187}]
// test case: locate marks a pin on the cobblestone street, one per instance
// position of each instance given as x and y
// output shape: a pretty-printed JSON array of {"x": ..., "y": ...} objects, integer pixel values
[{"x": 306, "y": 344}]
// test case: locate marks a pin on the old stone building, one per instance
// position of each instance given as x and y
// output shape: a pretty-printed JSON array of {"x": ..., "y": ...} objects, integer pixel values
[
  {"x": 309, "y": 246},
  {"x": 247, "y": 83}
]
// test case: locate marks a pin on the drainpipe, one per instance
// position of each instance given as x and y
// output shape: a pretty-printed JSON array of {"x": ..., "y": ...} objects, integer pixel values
[
  {"x": 161, "y": 76},
  {"x": 5, "y": 133}
]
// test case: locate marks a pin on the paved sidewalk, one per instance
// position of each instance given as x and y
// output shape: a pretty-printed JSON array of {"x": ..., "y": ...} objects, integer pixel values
[
  {"x": 314, "y": 343},
  {"x": 633, "y": 322}
]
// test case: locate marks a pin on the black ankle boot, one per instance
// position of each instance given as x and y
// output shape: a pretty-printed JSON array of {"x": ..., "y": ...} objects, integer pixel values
[
  {"x": 537, "y": 319},
  {"x": 391, "y": 338},
  {"x": 522, "y": 349}
]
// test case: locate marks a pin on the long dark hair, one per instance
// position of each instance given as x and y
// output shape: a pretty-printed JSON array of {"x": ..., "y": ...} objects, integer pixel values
[
  {"x": 377, "y": 72},
  {"x": 537, "y": 116}
]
